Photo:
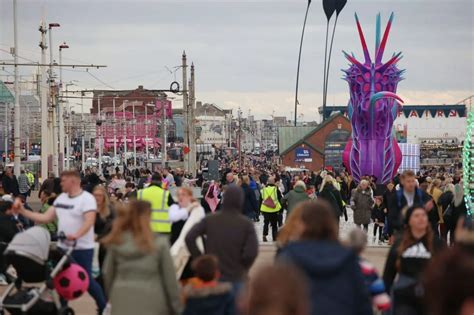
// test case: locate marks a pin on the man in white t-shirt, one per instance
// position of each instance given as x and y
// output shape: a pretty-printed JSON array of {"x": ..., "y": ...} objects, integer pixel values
[{"x": 75, "y": 210}]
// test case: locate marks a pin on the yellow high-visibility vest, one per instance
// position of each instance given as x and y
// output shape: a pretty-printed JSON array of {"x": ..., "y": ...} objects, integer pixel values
[
  {"x": 158, "y": 198},
  {"x": 270, "y": 191}
]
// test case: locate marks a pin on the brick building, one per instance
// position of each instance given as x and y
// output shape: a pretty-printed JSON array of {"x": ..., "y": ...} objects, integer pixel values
[
  {"x": 315, "y": 147},
  {"x": 137, "y": 117}
]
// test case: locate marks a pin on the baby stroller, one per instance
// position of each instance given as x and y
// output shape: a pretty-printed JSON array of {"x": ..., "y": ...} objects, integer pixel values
[{"x": 28, "y": 254}]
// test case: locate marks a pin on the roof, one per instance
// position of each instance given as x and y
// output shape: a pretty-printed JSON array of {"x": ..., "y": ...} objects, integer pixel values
[
  {"x": 302, "y": 139},
  {"x": 124, "y": 93},
  {"x": 208, "y": 109},
  {"x": 288, "y": 135},
  {"x": 5, "y": 95},
  {"x": 31, "y": 101}
]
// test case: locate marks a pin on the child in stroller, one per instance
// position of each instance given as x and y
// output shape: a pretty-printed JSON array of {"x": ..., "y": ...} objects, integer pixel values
[{"x": 29, "y": 254}]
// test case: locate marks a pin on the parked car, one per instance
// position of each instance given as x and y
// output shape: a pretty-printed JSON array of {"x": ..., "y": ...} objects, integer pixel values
[
  {"x": 91, "y": 162},
  {"x": 34, "y": 157}
]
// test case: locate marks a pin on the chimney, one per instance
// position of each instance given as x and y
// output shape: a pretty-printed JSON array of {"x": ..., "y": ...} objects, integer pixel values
[
  {"x": 198, "y": 105},
  {"x": 140, "y": 87}
]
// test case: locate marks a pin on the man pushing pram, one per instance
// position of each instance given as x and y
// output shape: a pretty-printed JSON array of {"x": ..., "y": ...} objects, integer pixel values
[{"x": 75, "y": 211}]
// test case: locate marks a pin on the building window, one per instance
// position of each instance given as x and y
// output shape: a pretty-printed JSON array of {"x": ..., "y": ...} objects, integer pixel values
[{"x": 334, "y": 146}]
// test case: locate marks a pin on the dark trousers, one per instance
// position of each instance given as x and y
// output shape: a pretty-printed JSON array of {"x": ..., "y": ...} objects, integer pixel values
[
  {"x": 272, "y": 219},
  {"x": 280, "y": 218},
  {"x": 380, "y": 229},
  {"x": 83, "y": 257}
]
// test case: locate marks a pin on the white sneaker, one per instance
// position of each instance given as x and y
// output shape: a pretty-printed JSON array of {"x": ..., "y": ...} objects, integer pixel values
[{"x": 3, "y": 280}]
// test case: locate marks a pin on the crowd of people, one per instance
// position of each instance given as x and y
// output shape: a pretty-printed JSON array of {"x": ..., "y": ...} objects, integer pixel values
[{"x": 171, "y": 244}]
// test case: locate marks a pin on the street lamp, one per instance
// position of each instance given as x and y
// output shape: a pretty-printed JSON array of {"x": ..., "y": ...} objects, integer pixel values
[
  {"x": 146, "y": 127},
  {"x": 68, "y": 128},
  {"x": 51, "y": 83},
  {"x": 134, "y": 124},
  {"x": 99, "y": 125},
  {"x": 124, "y": 124},
  {"x": 60, "y": 110},
  {"x": 114, "y": 121}
]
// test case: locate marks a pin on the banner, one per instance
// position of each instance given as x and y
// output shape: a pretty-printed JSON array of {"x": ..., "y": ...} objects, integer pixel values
[{"x": 302, "y": 154}]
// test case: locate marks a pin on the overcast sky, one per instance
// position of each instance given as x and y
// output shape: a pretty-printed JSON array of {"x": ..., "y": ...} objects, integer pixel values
[{"x": 245, "y": 52}]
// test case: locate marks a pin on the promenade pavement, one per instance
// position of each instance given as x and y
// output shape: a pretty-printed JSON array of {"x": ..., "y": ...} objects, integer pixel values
[{"x": 374, "y": 253}]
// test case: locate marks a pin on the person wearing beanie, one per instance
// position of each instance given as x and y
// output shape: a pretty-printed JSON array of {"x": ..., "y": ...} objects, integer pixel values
[
  {"x": 230, "y": 236},
  {"x": 408, "y": 258}
]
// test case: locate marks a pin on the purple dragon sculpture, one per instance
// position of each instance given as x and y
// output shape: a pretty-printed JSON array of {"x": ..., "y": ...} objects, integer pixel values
[{"x": 373, "y": 107}]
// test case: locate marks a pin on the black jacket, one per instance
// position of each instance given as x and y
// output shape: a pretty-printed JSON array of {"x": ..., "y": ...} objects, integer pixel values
[
  {"x": 8, "y": 228},
  {"x": 412, "y": 263},
  {"x": 398, "y": 202},
  {"x": 228, "y": 235},
  {"x": 210, "y": 300},
  {"x": 103, "y": 226},
  {"x": 250, "y": 202},
  {"x": 10, "y": 185},
  {"x": 378, "y": 213},
  {"x": 236, "y": 250},
  {"x": 333, "y": 196},
  {"x": 335, "y": 278}
]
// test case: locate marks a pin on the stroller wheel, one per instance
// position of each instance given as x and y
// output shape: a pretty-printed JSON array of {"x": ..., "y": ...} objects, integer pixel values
[{"x": 65, "y": 311}]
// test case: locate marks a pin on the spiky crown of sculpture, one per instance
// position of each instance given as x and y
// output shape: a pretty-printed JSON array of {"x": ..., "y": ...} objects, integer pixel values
[{"x": 372, "y": 109}]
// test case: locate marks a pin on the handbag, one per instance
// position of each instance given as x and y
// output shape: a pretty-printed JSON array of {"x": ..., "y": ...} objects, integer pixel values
[{"x": 268, "y": 202}]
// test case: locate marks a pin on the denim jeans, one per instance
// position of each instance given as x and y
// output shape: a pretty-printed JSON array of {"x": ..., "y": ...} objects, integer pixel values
[{"x": 83, "y": 257}]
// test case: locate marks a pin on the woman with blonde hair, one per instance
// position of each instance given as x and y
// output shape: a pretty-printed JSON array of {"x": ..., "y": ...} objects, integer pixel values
[
  {"x": 329, "y": 193},
  {"x": 292, "y": 228},
  {"x": 436, "y": 214},
  {"x": 138, "y": 269},
  {"x": 179, "y": 250},
  {"x": 103, "y": 222}
]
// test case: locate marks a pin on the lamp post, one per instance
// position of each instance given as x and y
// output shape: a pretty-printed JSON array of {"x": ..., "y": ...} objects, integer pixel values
[
  {"x": 16, "y": 125},
  {"x": 164, "y": 134},
  {"x": 45, "y": 127},
  {"x": 7, "y": 130},
  {"x": 68, "y": 131},
  {"x": 124, "y": 123},
  {"x": 134, "y": 124},
  {"x": 99, "y": 125},
  {"x": 27, "y": 144},
  {"x": 146, "y": 128},
  {"x": 115, "y": 132},
  {"x": 53, "y": 100},
  {"x": 60, "y": 108},
  {"x": 83, "y": 146}
]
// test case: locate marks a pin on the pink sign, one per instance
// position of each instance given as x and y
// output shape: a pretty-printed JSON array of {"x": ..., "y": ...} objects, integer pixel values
[{"x": 167, "y": 106}]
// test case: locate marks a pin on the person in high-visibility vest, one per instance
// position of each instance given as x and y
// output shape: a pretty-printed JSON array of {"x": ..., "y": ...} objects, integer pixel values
[
  {"x": 160, "y": 200},
  {"x": 271, "y": 205},
  {"x": 31, "y": 178}
]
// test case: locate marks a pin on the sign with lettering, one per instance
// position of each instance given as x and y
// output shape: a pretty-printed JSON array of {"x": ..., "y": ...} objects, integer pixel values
[{"x": 302, "y": 154}]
